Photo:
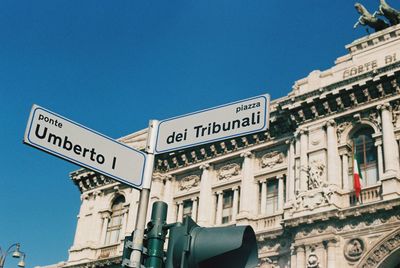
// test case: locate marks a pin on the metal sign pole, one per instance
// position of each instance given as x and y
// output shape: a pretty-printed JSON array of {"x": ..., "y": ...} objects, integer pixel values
[{"x": 144, "y": 196}]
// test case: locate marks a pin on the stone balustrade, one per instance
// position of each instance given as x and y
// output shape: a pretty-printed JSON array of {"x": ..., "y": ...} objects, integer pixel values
[
  {"x": 367, "y": 195},
  {"x": 269, "y": 222}
]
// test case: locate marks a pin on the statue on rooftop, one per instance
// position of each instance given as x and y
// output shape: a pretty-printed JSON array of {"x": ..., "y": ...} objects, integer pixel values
[
  {"x": 390, "y": 13},
  {"x": 369, "y": 19}
]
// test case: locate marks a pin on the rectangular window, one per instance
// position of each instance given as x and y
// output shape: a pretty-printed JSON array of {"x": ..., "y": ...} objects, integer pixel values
[
  {"x": 227, "y": 206},
  {"x": 113, "y": 229},
  {"x": 272, "y": 196},
  {"x": 187, "y": 208}
]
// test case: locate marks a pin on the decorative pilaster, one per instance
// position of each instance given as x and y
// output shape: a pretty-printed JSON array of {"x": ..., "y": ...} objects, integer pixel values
[
  {"x": 345, "y": 171},
  {"x": 303, "y": 160},
  {"x": 263, "y": 204},
  {"x": 290, "y": 172},
  {"x": 168, "y": 198},
  {"x": 105, "y": 221},
  {"x": 235, "y": 207},
  {"x": 205, "y": 198},
  {"x": 194, "y": 208},
  {"x": 331, "y": 253},
  {"x": 390, "y": 180},
  {"x": 249, "y": 188},
  {"x": 390, "y": 148},
  {"x": 293, "y": 257},
  {"x": 333, "y": 154},
  {"x": 280, "y": 192},
  {"x": 180, "y": 211},
  {"x": 378, "y": 145},
  {"x": 218, "y": 219},
  {"x": 156, "y": 188},
  {"x": 301, "y": 257},
  {"x": 123, "y": 222}
]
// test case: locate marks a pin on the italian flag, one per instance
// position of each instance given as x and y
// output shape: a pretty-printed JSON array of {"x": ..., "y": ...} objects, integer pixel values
[{"x": 357, "y": 174}]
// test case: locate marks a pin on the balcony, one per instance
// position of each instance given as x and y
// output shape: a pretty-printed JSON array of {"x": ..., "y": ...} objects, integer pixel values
[
  {"x": 368, "y": 195},
  {"x": 269, "y": 222}
]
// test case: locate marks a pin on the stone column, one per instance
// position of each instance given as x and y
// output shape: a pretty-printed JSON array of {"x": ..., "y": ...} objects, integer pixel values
[
  {"x": 290, "y": 180},
  {"x": 301, "y": 257},
  {"x": 390, "y": 148},
  {"x": 249, "y": 188},
  {"x": 194, "y": 208},
  {"x": 106, "y": 219},
  {"x": 133, "y": 206},
  {"x": 123, "y": 227},
  {"x": 303, "y": 160},
  {"x": 379, "y": 152},
  {"x": 333, "y": 154},
  {"x": 218, "y": 219},
  {"x": 345, "y": 171},
  {"x": 280, "y": 192},
  {"x": 263, "y": 204},
  {"x": 168, "y": 198},
  {"x": 205, "y": 198},
  {"x": 331, "y": 252},
  {"x": 156, "y": 188},
  {"x": 180, "y": 211},
  {"x": 235, "y": 207},
  {"x": 97, "y": 219},
  {"x": 293, "y": 257}
]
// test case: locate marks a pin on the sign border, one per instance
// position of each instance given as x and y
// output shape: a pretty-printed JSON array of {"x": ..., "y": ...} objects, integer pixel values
[
  {"x": 265, "y": 125},
  {"x": 33, "y": 144}
]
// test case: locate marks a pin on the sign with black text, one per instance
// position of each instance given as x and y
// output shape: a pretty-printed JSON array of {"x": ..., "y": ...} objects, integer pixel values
[
  {"x": 64, "y": 138},
  {"x": 222, "y": 122}
]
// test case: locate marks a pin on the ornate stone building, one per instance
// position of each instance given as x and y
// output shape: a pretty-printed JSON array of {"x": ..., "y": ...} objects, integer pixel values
[{"x": 293, "y": 184}]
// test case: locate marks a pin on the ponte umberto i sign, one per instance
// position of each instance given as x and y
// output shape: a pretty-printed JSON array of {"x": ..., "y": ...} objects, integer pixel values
[{"x": 73, "y": 142}]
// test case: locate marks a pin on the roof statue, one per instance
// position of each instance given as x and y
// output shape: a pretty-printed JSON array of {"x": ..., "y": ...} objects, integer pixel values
[
  {"x": 390, "y": 13},
  {"x": 370, "y": 20},
  {"x": 367, "y": 19}
]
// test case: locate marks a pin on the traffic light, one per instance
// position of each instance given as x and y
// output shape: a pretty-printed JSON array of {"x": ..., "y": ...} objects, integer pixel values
[
  {"x": 192, "y": 246},
  {"x": 126, "y": 253}
]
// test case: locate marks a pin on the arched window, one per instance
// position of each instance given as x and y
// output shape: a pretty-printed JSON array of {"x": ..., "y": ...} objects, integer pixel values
[
  {"x": 115, "y": 224},
  {"x": 365, "y": 152}
]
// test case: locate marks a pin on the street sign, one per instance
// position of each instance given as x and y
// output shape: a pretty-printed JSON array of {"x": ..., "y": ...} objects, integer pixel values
[
  {"x": 218, "y": 123},
  {"x": 64, "y": 138}
]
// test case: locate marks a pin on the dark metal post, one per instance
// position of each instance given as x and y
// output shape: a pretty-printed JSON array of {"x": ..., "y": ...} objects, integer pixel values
[{"x": 156, "y": 233}]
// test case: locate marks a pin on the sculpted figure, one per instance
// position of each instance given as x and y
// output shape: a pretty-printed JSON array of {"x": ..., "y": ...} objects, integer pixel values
[
  {"x": 368, "y": 19},
  {"x": 390, "y": 13}
]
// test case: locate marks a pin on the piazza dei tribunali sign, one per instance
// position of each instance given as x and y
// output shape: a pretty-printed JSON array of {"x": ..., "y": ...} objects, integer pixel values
[{"x": 294, "y": 183}]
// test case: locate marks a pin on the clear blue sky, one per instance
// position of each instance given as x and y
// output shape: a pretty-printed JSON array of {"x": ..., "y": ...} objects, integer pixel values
[{"x": 113, "y": 65}]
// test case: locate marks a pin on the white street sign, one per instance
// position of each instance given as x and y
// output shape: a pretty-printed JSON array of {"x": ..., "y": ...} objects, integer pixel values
[
  {"x": 218, "y": 123},
  {"x": 62, "y": 137}
]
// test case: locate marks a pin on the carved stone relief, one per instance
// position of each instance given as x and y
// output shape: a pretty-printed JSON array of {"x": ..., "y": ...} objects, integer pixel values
[
  {"x": 315, "y": 172},
  {"x": 271, "y": 159},
  {"x": 318, "y": 193},
  {"x": 189, "y": 182},
  {"x": 228, "y": 171},
  {"x": 341, "y": 128},
  {"x": 353, "y": 249},
  {"x": 374, "y": 118},
  {"x": 381, "y": 250},
  {"x": 312, "y": 261},
  {"x": 396, "y": 115}
]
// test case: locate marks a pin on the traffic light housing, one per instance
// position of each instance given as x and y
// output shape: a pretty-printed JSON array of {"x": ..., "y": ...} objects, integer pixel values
[
  {"x": 127, "y": 251},
  {"x": 192, "y": 246}
]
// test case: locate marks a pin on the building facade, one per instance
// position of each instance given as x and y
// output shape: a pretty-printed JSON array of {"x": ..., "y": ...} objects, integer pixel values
[{"x": 293, "y": 184}]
